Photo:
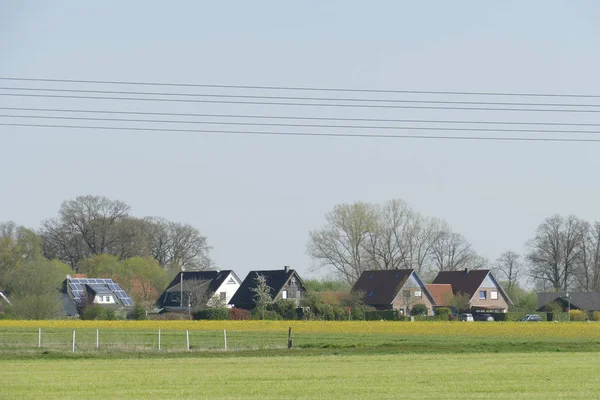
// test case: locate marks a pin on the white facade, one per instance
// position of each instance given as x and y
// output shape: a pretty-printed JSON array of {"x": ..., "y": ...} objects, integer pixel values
[
  {"x": 104, "y": 299},
  {"x": 225, "y": 292}
]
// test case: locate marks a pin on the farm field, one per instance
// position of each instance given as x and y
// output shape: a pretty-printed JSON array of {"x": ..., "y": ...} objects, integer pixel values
[
  {"x": 484, "y": 375},
  {"x": 122, "y": 338}
]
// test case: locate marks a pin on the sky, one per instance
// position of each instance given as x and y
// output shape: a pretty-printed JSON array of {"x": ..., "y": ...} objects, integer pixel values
[{"x": 257, "y": 197}]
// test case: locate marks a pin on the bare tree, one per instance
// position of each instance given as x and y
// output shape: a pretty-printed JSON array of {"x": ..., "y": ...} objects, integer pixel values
[
  {"x": 340, "y": 244},
  {"x": 94, "y": 225},
  {"x": 86, "y": 226},
  {"x": 178, "y": 246},
  {"x": 388, "y": 245},
  {"x": 587, "y": 274},
  {"x": 451, "y": 252},
  {"x": 509, "y": 267},
  {"x": 556, "y": 250}
]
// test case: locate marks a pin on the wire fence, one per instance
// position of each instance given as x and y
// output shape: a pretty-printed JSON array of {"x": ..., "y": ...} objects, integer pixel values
[{"x": 141, "y": 340}]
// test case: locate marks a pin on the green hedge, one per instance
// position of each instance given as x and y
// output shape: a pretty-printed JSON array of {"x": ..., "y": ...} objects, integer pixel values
[
  {"x": 96, "y": 312},
  {"x": 429, "y": 318},
  {"x": 213, "y": 313},
  {"x": 386, "y": 315}
]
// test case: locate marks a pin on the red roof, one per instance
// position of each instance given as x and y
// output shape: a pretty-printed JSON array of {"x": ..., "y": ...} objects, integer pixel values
[{"x": 441, "y": 292}]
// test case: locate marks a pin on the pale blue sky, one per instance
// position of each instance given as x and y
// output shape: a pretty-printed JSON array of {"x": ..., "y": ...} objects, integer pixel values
[{"x": 256, "y": 198}]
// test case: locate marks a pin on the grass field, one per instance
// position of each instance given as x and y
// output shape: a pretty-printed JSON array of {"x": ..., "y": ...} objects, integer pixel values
[
  {"x": 504, "y": 376},
  {"x": 329, "y": 360}
]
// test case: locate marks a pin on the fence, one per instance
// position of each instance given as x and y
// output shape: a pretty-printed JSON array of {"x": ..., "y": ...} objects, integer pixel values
[{"x": 137, "y": 340}]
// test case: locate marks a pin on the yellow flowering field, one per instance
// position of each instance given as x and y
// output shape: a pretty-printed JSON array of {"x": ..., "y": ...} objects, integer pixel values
[{"x": 588, "y": 330}]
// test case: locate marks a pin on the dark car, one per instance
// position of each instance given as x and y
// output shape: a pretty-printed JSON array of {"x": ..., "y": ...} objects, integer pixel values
[
  {"x": 531, "y": 318},
  {"x": 483, "y": 317}
]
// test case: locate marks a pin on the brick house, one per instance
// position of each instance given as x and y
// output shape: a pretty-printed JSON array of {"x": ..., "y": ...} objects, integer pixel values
[{"x": 394, "y": 290}]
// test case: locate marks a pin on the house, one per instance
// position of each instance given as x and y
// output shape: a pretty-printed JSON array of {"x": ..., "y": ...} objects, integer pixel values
[
  {"x": 283, "y": 283},
  {"x": 481, "y": 287},
  {"x": 199, "y": 289},
  {"x": 588, "y": 301},
  {"x": 78, "y": 291},
  {"x": 394, "y": 290}
]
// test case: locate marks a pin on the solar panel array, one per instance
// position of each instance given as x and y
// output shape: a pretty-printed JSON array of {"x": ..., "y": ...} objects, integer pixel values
[{"x": 76, "y": 285}]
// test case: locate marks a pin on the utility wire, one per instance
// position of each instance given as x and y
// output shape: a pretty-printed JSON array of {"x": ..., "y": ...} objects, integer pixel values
[
  {"x": 460, "y": 93},
  {"x": 388, "y": 136},
  {"x": 297, "y": 104},
  {"x": 289, "y": 117},
  {"x": 421, "y": 128},
  {"x": 242, "y": 96}
]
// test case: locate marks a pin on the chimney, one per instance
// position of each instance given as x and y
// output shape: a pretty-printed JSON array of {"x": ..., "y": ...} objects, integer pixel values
[
  {"x": 286, "y": 269},
  {"x": 466, "y": 271}
]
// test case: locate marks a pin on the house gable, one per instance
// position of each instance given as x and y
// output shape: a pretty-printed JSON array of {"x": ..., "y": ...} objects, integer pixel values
[
  {"x": 412, "y": 292},
  {"x": 276, "y": 280},
  {"x": 225, "y": 291}
]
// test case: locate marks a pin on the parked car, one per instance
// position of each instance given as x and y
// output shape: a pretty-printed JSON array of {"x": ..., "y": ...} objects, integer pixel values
[
  {"x": 483, "y": 317},
  {"x": 465, "y": 317},
  {"x": 531, "y": 318}
]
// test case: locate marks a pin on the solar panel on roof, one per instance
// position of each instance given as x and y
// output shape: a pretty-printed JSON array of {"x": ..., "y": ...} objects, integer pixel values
[{"x": 75, "y": 280}]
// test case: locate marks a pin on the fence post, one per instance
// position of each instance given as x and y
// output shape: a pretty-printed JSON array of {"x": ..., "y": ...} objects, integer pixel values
[
  {"x": 39, "y": 337},
  {"x": 290, "y": 338},
  {"x": 225, "y": 337},
  {"x": 159, "y": 340},
  {"x": 97, "y": 339},
  {"x": 187, "y": 340},
  {"x": 73, "y": 341}
]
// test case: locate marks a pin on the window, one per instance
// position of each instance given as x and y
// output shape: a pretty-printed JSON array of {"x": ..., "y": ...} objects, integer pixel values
[
  {"x": 417, "y": 293},
  {"x": 284, "y": 294},
  {"x": 223, "y": 296},
  {"x": 371, "y": 293},
  {"x": 494, "y": 295},
  {"x": 108, "y": 299},
  {"x": 482, "y": 295},
  {"x": 231, "y": 281},
  {"x": 293, "y": 281}
]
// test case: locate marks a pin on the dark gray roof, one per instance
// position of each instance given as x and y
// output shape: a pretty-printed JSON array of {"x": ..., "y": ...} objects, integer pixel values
[
  {"x": 276, "y": 279},
  {"x": 468, "y": 281},
  {"x": 190, "y": 278},
  {"x": 589, "y": 301},
  {"x": 381, "y": 287}
]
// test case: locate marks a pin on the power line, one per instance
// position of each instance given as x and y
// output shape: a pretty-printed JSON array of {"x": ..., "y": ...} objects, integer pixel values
[
  {"x": 460, "y": 93},
  {"x": 242, "y": 96},
  {"x": 289, "y": 117},
  {"x": 421, "y": 128},
  {"x": 387, "y": 136},
  {"x": 297, "y": 104}
]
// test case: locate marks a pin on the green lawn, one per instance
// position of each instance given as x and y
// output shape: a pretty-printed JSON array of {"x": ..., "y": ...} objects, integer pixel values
[{"x": 478, "y": 375}]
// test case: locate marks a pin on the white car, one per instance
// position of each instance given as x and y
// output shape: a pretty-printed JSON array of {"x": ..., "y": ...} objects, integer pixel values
[{"x": 466, "y": 317}]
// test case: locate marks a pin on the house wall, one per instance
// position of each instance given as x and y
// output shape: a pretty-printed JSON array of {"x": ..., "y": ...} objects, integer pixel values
[
  {"x": 401, "y": 303},
  {"x": 500, "y": 302},
  {"x": 293, "y": 290},
  {"x": 228, "y": 288}
]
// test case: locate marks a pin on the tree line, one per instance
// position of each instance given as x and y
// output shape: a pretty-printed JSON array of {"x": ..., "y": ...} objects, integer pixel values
[
  {"x": 98, "y": 237},
  {"x": 564, "y": 253}
]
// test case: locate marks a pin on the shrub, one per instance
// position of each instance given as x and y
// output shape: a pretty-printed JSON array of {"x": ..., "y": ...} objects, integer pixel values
[
  {"x": 386, "y": 315},
  {"x": 239, "y": 314},
  {"x": 138, "y": 313},
  {"x": 96, "y": 312},
  {"x": 578, "y": 315},
  {"x": 554, "y": 307},
  {"x": 559, "y": 316},
  {"x": 419, "y": 309},
  {"x": 441, "y": 311},
  {"x": 213, "y": 313},
  {"x": 285, "y": 308},
  {"x": 271, "y": 315},
  {"x": 596, "y": 316},
  {"x": 171, "y": 316}
]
